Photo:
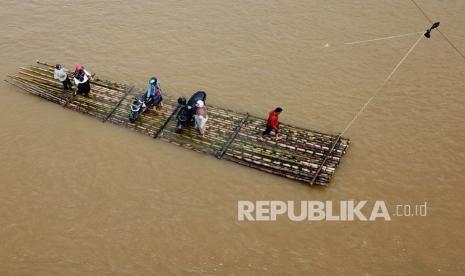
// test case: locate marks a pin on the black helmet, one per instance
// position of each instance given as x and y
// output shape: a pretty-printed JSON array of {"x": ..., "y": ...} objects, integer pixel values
[
  {"x": 153, "y": 80},
  {"x": 58, "y": 66},
  {"x": 182, "y": 100}
]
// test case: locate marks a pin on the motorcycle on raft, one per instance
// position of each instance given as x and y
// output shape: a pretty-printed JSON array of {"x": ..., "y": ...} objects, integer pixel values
[
  {"x": 141, "y": 104},
  {"x": 185, "y": 115}
]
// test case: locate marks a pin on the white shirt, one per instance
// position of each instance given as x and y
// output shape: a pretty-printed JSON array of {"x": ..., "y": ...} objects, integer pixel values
[{"x": 59, "y": 74}]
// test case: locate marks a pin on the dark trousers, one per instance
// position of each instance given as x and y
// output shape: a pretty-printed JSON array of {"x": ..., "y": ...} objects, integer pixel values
[
  {"x": 67, "y": 84},
  {"x": 267, "y": 130},
  {"x": 84, "y": 88}
]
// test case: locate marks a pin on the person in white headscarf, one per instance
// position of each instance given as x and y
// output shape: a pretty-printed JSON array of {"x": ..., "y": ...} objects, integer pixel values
[{"x": 200, "y": 117}]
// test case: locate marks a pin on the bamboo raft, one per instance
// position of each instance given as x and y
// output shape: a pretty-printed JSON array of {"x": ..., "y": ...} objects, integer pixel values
[{"x": 303, "y": 155}]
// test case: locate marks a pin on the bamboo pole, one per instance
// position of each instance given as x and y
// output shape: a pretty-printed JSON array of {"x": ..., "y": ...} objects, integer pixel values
[
  {"x": 118, "y": 104},
  {"x": 160, "y": 130},
  {"x": 27, "y": 87},
  {"x": 324, "y": 161}
]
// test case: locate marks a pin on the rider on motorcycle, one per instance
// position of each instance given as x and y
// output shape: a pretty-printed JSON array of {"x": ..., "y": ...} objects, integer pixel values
[{"x": 153, "y": 95}]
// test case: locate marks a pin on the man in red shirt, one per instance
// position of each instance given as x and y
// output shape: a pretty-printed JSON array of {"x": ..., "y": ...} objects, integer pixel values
[{"x": 272, "y": 124}]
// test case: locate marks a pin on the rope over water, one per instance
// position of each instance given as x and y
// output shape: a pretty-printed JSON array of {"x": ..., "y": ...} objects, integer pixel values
[
  {"x": 382, "y": 85},
  {"x": 382, "y": 38},
  {"x": 426, "y": 34}
]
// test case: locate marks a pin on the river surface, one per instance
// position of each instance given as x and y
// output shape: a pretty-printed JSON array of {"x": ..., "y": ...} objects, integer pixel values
[{"x": 78, "y": 197}]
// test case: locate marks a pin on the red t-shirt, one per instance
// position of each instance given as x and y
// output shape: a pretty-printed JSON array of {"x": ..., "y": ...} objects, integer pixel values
[{"x": 273, "y": 120}]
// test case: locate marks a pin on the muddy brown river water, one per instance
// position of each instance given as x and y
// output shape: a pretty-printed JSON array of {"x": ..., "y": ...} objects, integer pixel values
[{"x": 78, "y": 197}]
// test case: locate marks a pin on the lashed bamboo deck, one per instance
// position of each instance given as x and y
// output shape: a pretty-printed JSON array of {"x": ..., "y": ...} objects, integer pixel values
[{"x": 303, "y": 155}]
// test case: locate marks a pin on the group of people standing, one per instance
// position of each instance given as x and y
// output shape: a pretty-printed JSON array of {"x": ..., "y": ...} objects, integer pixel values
[{"x": 82, "y": 78}]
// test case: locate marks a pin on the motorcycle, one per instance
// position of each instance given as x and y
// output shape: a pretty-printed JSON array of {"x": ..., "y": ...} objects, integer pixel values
[
  {"x": 185, "y": 115},
  {"x": 141, "y": 104}
]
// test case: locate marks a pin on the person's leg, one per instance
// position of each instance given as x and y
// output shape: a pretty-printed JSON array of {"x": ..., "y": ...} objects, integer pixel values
[
  {"x": 78, "y": 89},
  {"x": 65, "y": 85},
  {"x": 159, "y": 107},
  {"x": 203, "y": 124},
  {"x": 70, "y": 85},
  {"x": 267, "y": 130},
  {"x": 86, "y": 88},
  {"x": 197, "y": 121}
]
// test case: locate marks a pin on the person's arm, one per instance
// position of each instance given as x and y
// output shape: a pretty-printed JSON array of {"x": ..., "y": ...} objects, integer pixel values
[
  {"x": 88, "y": 75},
  {"x": 62, "y": 74},
  {"x": 150, "y": 91},
  {"x": 276, "y": 128},
  {"x": 55, "y": 74}
]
